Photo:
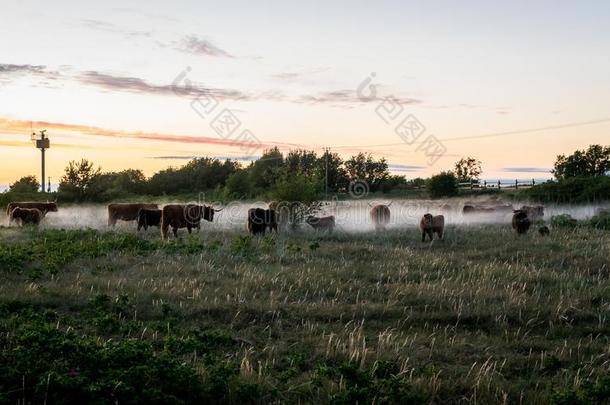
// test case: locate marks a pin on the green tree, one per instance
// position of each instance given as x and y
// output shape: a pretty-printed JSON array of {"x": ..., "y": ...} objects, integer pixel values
[
  {"x": 468, "y": 169},
  {"x": 338, "y": 179},
  {"x": 26, "y": 184},
  {"x": 265, "y": 171},
  {"x": 444, "y": 184},
  {"x": 238, "y": 184},
  {"x": 107, "y": 186},
  {"x": 297, "y": 194},
  {"x": 595, "y": 161},
  {"x": 364, "y": 167},
  {"x": 302, "y": 161},
  {"x": 77, "y": 179}
]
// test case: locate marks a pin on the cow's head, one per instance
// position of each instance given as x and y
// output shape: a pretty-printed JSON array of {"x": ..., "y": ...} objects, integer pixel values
[
  {"x": 208, "y": 213},
  {"x": 52, "y": 207}
]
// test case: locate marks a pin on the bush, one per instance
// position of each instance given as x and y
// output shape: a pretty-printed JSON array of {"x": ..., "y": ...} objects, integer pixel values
[
  {"x": 571, "y": 190},
  {"x": 563, "y": 221},
  {"x": 601, "y": 221},
  {"x": 443, "y": 185}
]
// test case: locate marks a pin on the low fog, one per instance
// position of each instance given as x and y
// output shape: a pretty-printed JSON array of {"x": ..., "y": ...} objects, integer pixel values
[{"x": 351, "y": 216}]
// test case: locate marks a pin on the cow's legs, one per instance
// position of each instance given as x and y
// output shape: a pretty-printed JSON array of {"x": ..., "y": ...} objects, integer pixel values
[
  {"x": 175, "y": 231},
  {"x": 188, "y": 228}
]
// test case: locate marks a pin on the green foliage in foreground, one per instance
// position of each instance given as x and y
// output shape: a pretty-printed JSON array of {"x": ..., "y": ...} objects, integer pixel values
[{"x": 219, "y": 317}]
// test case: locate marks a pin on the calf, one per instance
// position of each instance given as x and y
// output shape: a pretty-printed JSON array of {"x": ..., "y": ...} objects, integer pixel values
[{"x": 27, "y": 216}]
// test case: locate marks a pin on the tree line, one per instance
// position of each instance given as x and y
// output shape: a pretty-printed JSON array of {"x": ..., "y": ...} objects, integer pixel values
[{"x": 299, "y": 175}]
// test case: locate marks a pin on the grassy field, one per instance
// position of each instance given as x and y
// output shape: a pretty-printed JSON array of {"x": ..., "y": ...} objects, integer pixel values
[{"x": 220, "y": 317}]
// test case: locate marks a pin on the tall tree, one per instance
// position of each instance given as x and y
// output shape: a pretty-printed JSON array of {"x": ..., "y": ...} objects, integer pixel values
[
  {"x": 364, "y": 167},
  {"x": 77, "y": 179},
  {"x": 332, "y": 164},
  {"x": 468, "y": 169},
  {"x": 265, "y": 171},
  {"x": 595, "y": 161}
]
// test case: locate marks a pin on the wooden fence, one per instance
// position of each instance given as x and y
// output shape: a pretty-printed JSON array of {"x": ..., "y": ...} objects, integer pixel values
[{"x": 484, "y": 184}]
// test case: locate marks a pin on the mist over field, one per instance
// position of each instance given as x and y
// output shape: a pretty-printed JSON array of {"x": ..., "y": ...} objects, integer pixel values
[{"x": 352, "y": 216}]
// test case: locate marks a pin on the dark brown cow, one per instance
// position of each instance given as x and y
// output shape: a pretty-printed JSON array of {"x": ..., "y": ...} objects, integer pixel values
[
  {"x": 534, "y": 213},
  {"x": 380, "y": 215},
  {"x": 148, "y": 217},
  {"x": 430, "y": 225},
  {"x": 326, "y": 224},
  {"x": 43, "y": 207},
  {"x": 187, "y": 216},
  {"x": 260, "y": 219},
  {"x": 521, "y": 222},
  {"x": 126, "y": 212},
  {"x": 27, "y": 216}
]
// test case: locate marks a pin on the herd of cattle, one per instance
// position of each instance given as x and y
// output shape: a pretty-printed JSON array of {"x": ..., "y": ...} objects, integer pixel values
[{"x": 259, "y": 220}]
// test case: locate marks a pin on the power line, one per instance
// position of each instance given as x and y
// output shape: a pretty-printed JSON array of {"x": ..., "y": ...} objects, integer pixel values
[{"x": 489, "y": 135}]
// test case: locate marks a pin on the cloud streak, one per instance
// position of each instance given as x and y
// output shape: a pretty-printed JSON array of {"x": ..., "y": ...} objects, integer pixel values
[
  {"x": 346, "y": 98},
  {"x": 9, "y": 71},
  {"x": 199, "y": 46},
  {"x": 9, "y": 126},
  {"x": 137, "y": 85},
  {"x": 525, "y": 170},
  {"x": 114, "y": 29},
  {"x": 140, "y": 86}
]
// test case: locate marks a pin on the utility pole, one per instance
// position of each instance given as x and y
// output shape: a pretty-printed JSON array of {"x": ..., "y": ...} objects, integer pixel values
[
  {"x": 326, "y": 176},
  {"x": 42, "y": 143}
]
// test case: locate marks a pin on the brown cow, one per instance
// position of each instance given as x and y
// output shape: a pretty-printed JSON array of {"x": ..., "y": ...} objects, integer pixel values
[
  {"x": 27, "y": 216},
  {"x": 322, "y": 224},
  {"x": 380, "y": 215},
  {"x": 126, "y": 212},
  {"x": 535, "y": 213},
  {"x": 186, "y": 216},
  {"x": 43, "y": 207},
  {"x": 521, "y": 222},
  {"x": 430, "y": 225}
]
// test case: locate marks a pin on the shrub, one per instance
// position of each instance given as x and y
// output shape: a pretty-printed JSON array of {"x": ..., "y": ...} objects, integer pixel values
[
  {"x": 563, "y": 221},
  {"x": 601, "y": 221},
  {"x": 443, "y": 185},
  {"x": 571, "y": 190}
]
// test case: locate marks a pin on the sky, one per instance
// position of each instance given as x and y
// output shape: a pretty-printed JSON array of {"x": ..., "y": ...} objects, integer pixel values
[{"x": 149, "y": 84}]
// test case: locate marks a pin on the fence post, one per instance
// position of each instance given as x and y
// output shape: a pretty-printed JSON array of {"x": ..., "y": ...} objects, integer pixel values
[
  {"x": 533, "y": 182},
  {"x": 484, "y": 183},
  {"x": 516, "y": 184},
  {"x": 499, "y": 185}
]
